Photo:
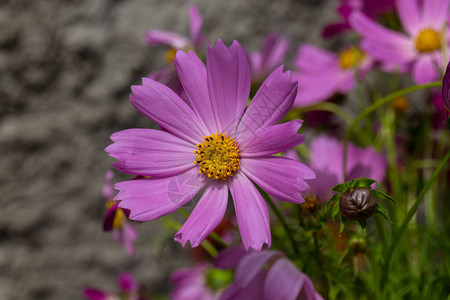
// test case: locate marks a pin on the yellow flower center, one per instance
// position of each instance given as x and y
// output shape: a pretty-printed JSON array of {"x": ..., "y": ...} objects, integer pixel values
[
  {"x": 400, "y": 104},
  {"x": 118, "y": 217},
  {"x": 350, "y": 57},
  {"x": 170, "y": 54},
  {"x": 428, "y": 40},
  {"x": 217, "y": 156}
]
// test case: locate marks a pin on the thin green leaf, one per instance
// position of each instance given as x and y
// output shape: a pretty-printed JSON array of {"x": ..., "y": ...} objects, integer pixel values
[
  {"x": 381, "y": 195},
  {"x": 382, "y": 212},
  {"x": 342, "y": 224},
  {"x": 364, "y": 182},
  {"x": 339, "y": 188},
  {"x": 335, "y": 210},
  {"x": 336, "y": 197}
]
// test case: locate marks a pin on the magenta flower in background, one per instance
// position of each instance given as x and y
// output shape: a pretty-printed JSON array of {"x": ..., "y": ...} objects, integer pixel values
[
  {"x": 128, "y": 287},
  {"x": 266, "y": 275},
  {"x": 115, "y": 219},
  {"x": 274, "y": 50},
  {"x": 326, "y": 161},
  {"x": 419, "y": 49},
  {"x": 321, "y": 73},
  {"x": 371, "y": 8},
  {"x": 175, "y": 41},
  {"x": 190, "y": 284},
  {"x": 210, "y": 143}
]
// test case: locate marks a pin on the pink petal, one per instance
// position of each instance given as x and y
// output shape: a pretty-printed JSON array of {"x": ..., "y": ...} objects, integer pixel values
[
  {"x": 150, "y": 199},
  {"x": 228, "y": 74},
  {"x": 389, "y": 55},
  {"x": 424, "y": 70},
  {"x": 230, "y": 257},
  {"x": 435, "y": 13},
  {"x": 253, "y": 291},
  {"x": 251, "y": 265},
  {"x": 127, "y": 283},
  {"x": 126, "y": 236},
  {"x": 275, "y": 48},
  {"x": 310, "y": 57},
  {"x": 272, "y": 140},
  {"x": 334, "y": 28},
  {"x": 195, "y": 25},
  {"x": 162, "y": 37},
  {"x": 315, "y": 88},
  {"x": 150, "y": 152},
  {"x": 95, "y": 294},
  {"x": 251, "y": 213},
  {"x": 280, "y": 177},
  {"x": 192, "y": 74},
  {"x": 206, "y": 215},
  {"x": 162, "y": 105},
  {"x": 408, "y": 12},
  {"x": 108, "y": 220},
  {"x": 107, "y": 190},
  {"x": 308, "y": 291},
  {"x": 256, "y": 64},
  {"x": 373, "y": 31},
  {"x": 283, "y": 282},
  {"x": 270, "y": 104}
]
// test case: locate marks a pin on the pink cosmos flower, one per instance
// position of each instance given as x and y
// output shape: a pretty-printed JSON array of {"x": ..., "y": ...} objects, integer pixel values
[
  {"x": 371, "y": 8},
  {"x": 128, "y": 287},
  {"x": 209, "y": 143},
  {"x": 274, "y": 50},
  {"x": 190, "y": 284},
  {"x": 115, "y": 219},
  {"x": 419, "y": 49},
  {"x": 175, "y": 41},
  {"x": 326, "y": 161},
  {"x": 266, "y": 275},
  {"x": 321, "y": 73}
]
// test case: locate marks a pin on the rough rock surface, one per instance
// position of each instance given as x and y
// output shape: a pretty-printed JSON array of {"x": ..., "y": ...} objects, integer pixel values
[{"x": 65, "y": 71}]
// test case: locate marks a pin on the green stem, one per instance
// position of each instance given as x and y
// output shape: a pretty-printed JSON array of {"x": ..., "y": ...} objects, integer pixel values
[
  {"x": 409, "y": 216},
  {"x": 372, "y": 108},
  {"x": 282, "y": 221}
]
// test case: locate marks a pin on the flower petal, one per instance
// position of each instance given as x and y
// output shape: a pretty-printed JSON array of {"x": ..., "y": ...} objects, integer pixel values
[
  {"x": 150, "y": 199},
  {"x": 390, "y": 55},
  {"x": 195, "y": 25},
  {"x": 192, "y": 74},
  {"x": 373, "y": 31},
  {"x": 162, "y": 37},
  {"x": 228, "y": 74},
  {"x": 408, "y": 12},
  {"x": 271, "y": 140},
  {"x": 275, "y": 48},
  {"x": 270, "y": 104},
  {"x": 126, "y": 236},
  {"x": 283, "y": 282},
  {"x": 435, "y": 13},
  {"x": 251, "y": 265},
  {"x": 95, "y": 294},
  {"x": 251, "y": 213},
  {"x": 127, "y": 283},
  {"x": 162, "y": 105},
  {"x": 310, "y": 57},
  {"x": 253, "y": 291},
  {"x": 206, "y": 215},
  {"x": 424, "y": 70},
  {"x": 281, "y": 177},
  {"x": 150, "y": 152},
  {"x": 229, "y": 258}
]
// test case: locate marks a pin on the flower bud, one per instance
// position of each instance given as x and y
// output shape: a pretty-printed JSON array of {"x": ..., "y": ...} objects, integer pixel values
[
  {"x": 446, "y": 88},
  {"x": 357, "y": 204}
]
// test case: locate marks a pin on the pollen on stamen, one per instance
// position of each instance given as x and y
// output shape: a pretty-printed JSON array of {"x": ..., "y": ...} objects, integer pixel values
[
  {"x": 219, "y": 156},
  {"x": 428, "y": 40}
]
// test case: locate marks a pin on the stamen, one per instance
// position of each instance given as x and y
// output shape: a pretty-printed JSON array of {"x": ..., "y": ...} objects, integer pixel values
[
  {"x": 428, "y": 40},
  {"x": 350, "y": 57},
  {"x": 219, "y": 156}
]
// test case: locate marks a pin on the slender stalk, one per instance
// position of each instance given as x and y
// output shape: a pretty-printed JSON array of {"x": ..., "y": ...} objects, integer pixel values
[
  {"x": 372, "y": 108},
  {"x": 409, "y": 216},
  {"x": 280, "y": 217}
]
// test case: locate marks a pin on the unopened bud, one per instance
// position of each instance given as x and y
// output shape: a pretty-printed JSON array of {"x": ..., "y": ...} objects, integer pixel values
[{"x": 357, "y": 204}]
